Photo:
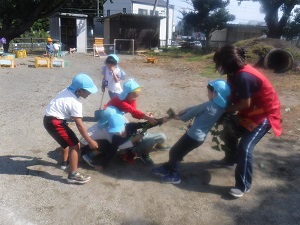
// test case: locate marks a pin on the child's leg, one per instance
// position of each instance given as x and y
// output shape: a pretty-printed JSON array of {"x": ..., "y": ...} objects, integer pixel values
[
  {"x": 158, "y": 138},
  {"x": 74, "y": 155},
  {"x": 180, "y": 149},
  {"x": 65, "y": 154}
]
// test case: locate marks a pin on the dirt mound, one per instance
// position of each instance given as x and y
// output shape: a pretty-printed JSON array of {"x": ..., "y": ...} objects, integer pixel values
[
  {"x": 268, "y": 43},
  {"x": 276, "y": 54}
]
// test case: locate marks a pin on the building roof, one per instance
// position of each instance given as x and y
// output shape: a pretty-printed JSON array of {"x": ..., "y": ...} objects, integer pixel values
[
  {"x": 132, "y": 15},
  {"x": 161, "y": 3}
]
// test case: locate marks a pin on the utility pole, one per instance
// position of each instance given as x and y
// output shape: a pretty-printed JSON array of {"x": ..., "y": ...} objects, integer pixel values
[
  {"x": 98, "y": 8},
  {"x": 167, "y": 25},
  {"x": 155, "y": 4}
]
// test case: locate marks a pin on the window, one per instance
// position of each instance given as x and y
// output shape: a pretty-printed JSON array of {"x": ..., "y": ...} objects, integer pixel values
[
  {"x": 108, "y": 12},
  {"x": 124, "y": 10},
  {"x": 143, "y": 12},
  {"x": 156, "y": 12}
]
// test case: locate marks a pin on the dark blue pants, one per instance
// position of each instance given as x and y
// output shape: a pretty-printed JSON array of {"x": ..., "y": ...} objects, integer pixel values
[
  {"x": 180, "y": 149},
  {"x": 244, "y": 159}
]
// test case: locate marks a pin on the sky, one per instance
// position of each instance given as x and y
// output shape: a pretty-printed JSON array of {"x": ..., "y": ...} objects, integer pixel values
[{"x": 247, "y": 12}]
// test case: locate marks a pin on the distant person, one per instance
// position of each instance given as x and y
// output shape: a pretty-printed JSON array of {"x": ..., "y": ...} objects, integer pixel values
[
  {"x": 258, "y": 109},
  {"x": 67, "y": 105},
  {"x": 56, "y": 47},
  {"x": 205, "y": 115},
  {"x": 49, "y": 47},
  {"x": 112, "y": 76}
]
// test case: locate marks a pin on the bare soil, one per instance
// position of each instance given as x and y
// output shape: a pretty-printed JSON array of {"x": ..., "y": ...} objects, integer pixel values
[{"x": 33, "y": 189}]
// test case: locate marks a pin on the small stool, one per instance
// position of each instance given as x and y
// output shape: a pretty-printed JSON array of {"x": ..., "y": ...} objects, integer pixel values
[
  {"x": 152, "y": 60},
  {"x": 7, "y": 62},
  {"x": 42, "y": 62},
  {"x": 57, "y": 63}
]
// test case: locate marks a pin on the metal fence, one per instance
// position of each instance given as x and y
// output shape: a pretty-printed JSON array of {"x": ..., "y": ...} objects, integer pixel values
[{"x": 30, "y": 44}]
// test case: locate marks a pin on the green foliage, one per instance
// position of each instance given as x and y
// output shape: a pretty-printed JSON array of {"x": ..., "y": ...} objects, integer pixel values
[
  {"x": 274, "y": 22},
  {"x": 292, "y": 28},
  {"x": 209, "y": 71},
  {"x": 38, "y": 30},
  {"x": 208, "y": 16}
]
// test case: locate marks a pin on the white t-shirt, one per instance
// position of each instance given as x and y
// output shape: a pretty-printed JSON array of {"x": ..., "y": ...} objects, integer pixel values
[
  {"x": 56, "y": 46},
  {"x": 64, "y": 106},
  {"x": 112, "y": 85}
]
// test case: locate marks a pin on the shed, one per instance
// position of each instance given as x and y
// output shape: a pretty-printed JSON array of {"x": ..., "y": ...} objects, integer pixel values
[
  {"x": 144, "y": 29},
  {"x": 70, "y": 29}
]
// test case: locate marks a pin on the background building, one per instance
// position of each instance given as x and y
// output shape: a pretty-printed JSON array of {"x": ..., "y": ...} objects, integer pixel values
[{"x": 145, "y": 7}]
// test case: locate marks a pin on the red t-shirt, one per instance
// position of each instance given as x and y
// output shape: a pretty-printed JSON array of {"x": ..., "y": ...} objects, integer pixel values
[{"x": 126, "y": 107}]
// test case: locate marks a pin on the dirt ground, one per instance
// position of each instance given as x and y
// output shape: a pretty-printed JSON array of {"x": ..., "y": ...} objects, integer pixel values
[{"x": 33, "y": 189}]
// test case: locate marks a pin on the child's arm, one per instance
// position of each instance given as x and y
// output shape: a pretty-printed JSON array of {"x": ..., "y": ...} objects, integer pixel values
[
  {"x": 150, "y": 118},
  {"x": 78, "y": 120},
  {"x": 115, "y": 72}
]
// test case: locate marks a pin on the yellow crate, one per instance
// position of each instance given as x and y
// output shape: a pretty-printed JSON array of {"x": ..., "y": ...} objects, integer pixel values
[
  {"x": 7, "y": 62},
  {"x": 20, "y": 53},
  {"x": 42, "y": 62}
]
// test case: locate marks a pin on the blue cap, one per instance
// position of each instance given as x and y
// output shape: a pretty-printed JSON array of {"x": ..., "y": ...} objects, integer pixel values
[
  {"x": 116, "y": 123},
  {"x": 129, "y": 86},
  {"x": 115, "y": 57},
  {"x": 104, "y": 115},
  {"x": 223, "y": 90},
  {"x": 83, "y": 81}
]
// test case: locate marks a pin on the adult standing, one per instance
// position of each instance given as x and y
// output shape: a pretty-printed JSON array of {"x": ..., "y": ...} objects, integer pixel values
[{"x": 258, "y": 109}]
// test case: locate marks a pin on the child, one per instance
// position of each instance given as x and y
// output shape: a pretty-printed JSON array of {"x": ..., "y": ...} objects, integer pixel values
[
  {"x": 124, "y": 135},
  {"x": 56, "y": 48},
  {"x": 205, "y": 116},
  {"x": 112, "y": 75},
  {"x": 49, "y": 48},
  {"x": 126, "y": 102},
  {"x": 64, "y": 106}
]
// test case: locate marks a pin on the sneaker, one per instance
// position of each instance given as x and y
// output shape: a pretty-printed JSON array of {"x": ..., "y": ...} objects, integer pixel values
[
  {"x": 222, "y": 163},
  {"x": 172, "y": 178},
  {"x": 235, "y": 192},
  {"x": 162, "y": 146},
  {"x": 64, "y": 165},
  {"x": 78, "y": 178},
  {"x": 88, "y": 160},
  {"x": 147, "y": 160},
  {"x": 161, "y": 171}
]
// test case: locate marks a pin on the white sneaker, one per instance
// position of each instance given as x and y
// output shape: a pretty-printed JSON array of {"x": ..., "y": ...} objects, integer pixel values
[
  {"x": 78, "y": 178},
  {"x": 235, "y": 192}
]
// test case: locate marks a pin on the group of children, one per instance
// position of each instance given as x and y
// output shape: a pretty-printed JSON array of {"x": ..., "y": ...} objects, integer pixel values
[{"x": 113, "y": 132}]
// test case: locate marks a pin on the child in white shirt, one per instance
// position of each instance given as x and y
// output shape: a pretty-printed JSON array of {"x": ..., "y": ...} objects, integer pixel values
[{"x": 112, "y": 75}]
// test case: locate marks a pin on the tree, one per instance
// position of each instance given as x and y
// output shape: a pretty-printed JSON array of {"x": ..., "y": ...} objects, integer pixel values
[
  {"x": 208, "y": 16},
  {"x": 270, "y": 8},
  {"x": 17, "y": 16},
  {"x": 292, "y": 28}
]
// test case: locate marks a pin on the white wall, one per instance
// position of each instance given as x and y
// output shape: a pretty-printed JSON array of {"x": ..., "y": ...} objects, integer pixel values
[
  {"x": 117, "y": 7},
  {"x": 81, "y": 28}
]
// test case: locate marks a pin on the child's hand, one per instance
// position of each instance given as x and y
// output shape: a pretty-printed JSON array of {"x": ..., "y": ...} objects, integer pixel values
[
  {"x": 93, "y": 145},
  {"x": 181, "y": 112},
  {"x": 152, "y": 120}
]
